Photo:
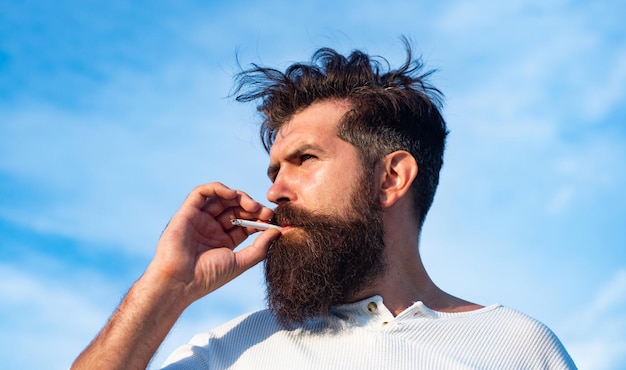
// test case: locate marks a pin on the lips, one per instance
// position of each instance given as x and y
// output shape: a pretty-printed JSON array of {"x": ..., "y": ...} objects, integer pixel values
[{"x": 274, "y": 221}]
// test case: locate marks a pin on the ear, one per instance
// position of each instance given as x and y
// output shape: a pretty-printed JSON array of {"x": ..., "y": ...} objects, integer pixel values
[{"x": 396, "y": 174}]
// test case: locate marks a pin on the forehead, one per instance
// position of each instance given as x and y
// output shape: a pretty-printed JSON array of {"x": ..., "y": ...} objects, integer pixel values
[{"x": 315, "y": 124}]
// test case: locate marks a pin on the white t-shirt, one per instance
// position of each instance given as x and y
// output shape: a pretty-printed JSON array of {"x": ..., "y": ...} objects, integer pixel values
[{"x": 365, "y": 335}]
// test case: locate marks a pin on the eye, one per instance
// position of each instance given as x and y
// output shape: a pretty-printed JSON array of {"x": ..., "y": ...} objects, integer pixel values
[{"x": 306, "y": 157}]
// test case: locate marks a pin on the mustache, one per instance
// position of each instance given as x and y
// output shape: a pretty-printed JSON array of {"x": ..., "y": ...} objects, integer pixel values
[{"x": 289, "y": 215}]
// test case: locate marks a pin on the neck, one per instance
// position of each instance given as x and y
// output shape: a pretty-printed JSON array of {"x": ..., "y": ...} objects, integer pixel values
[{"x": 405, "y": 280}]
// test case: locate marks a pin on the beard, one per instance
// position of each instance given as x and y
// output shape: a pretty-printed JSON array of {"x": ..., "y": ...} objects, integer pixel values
[{"x": 325, "y": 259}]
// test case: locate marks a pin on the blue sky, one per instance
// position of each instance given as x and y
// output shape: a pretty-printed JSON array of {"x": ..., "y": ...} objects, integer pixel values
[{"x": 111, "y": 112}]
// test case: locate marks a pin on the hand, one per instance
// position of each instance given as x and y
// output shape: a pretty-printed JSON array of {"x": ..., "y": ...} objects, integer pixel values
[
  {"x": 195, "y": 251},
  {"x": 194, "y": 257}
]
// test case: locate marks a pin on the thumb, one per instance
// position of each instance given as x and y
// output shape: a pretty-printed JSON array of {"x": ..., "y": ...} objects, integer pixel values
[{"x": 255, "y": 253}]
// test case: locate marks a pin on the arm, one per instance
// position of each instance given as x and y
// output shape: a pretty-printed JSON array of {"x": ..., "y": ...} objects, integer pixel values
[{"x": 194, "y": 257}]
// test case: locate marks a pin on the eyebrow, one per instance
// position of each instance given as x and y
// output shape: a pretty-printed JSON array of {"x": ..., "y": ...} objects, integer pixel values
[{"x": 272, "y": 170}]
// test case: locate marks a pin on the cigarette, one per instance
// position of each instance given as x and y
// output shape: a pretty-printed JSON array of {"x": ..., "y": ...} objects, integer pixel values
[{"x": 254, "y": 224}]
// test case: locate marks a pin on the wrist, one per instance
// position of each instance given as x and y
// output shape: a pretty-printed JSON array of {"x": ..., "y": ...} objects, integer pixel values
[{"x": 161, "y": 294}]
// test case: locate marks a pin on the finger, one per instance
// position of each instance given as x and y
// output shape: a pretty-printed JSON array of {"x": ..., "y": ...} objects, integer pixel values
[
  {"x": 219, "y": 200},
  {"x": 210, "y": 191},
  {"x": 255, "y": 253},
  {"x": 262, "y": 215},
  {"x": 238, "y": 234}
]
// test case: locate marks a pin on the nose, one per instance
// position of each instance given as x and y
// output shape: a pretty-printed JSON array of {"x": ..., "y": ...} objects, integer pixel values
[{"x": 281, "y": 191}]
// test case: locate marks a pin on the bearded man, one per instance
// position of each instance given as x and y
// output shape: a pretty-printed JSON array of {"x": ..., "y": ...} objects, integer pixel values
[{"x": 355, "y": 155}]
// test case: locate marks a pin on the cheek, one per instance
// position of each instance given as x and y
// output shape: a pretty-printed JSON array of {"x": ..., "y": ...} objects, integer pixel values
[
  {"x": 320, "y": 192},
  {"x": 337, "y": 195},
  {"x": 315, "y": 191},
  {"x": 330, "y": 188}
]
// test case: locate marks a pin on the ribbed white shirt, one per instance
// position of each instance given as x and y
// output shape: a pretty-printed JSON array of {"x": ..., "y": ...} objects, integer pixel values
[{"x": 365, "y": 335}]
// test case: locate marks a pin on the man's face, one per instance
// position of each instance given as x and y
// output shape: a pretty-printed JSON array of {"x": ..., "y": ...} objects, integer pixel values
[
  {"x": 332, "y": 241},
  {"x": 310, "y": 166}
]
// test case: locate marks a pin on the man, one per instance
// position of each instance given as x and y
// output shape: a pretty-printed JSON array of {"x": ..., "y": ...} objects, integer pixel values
[{"x": 355, "y": 154}]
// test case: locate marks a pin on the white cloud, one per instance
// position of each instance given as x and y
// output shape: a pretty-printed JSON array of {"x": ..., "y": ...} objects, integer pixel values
[
  {"x": 597, "y": 332},
  {"x": 114, "y": 174},
  {"x": 65, "y": 310},
  {"x": 58, "y": 316},
  {"x": 555, "y": 63},
  {"x": 561, "y": 200},
  {"x": 608, "y": 91}
]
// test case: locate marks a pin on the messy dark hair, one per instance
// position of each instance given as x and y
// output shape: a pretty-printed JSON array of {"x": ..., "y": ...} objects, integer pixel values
[{"x": 391, "y": 109}]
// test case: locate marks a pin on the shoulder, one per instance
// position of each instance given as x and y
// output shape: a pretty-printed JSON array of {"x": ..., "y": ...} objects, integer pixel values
[
  {"x": 517, "y": 332},
  {"x": 496, "y": 335},
  {"x": 515, "y": 322},
  {"x": 500, "y": 321}
]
